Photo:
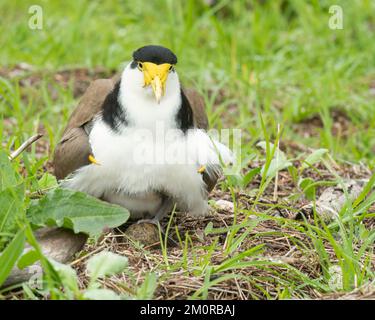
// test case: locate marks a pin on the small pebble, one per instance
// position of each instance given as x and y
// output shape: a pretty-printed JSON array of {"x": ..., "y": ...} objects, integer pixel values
[
  {"x": 225, "y": 205},
  {"x": 144, "y": 232}
]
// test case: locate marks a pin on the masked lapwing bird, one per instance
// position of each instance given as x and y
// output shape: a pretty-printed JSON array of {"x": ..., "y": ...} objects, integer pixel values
[{"x": 140, "y": 141}]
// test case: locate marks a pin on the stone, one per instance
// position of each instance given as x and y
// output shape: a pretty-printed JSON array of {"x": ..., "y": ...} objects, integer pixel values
[
  {"x": 57, "y": 243},
  {"x": 144, "y": 232}
]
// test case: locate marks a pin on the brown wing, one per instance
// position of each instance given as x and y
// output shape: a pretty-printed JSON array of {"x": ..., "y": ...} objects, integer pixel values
[
  {"x": 74, "y": 148},
  {"x": 197, "y": 104}
]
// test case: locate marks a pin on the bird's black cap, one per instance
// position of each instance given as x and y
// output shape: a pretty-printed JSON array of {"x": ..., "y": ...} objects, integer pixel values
[{"x": 155, "y": 54}]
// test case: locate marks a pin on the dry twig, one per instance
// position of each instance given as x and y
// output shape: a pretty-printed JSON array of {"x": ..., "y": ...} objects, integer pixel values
[{"x": 24, "y": 145}]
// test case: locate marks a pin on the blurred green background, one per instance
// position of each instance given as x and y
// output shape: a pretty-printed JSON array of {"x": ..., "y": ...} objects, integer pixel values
[
  {"x": 258, "y": 64},
  {"x": 278, "y": 58}
]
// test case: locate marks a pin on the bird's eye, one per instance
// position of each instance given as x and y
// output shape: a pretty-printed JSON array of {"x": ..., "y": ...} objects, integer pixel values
[
  {"x": 171, "y": 68},
  {"x": 140, "y": 66}
]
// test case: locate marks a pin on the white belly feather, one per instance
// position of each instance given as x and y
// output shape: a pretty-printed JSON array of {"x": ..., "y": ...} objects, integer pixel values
[{"x": 134, "y": 168}]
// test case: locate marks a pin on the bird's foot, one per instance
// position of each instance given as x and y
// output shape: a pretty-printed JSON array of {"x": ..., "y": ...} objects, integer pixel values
[
  {"x": 166, "y": 206},
  {"x": 151, "y": 221}
]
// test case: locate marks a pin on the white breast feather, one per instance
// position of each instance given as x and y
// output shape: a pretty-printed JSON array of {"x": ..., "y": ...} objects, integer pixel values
[{"x": 120, "y": 170}]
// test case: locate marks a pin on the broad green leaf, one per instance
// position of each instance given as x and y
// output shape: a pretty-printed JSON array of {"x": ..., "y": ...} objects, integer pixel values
[
  {"x": 100, "y": 294},
  {"x": 77, "y": 211},
  {"x": 313, "y": 158},
  {"x": 105, "y": 264},
  {"x": 8, "y": 176},
  {"x": 148, "y": 287},
  {"x": 9, "y": 256}
]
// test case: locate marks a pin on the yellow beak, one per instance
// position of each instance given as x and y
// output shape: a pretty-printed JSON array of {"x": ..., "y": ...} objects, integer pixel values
[{"x": 156, "y": 75}]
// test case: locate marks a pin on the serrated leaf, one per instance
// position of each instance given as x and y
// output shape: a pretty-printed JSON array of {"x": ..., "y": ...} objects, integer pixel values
[
  {"x": 9, "y": 256},
  {"x": 314, "y": 157},
  {"x": 77, "y": 211},
  {"x": 105, "y": 264},
  {"x": 100, "y": 294}
]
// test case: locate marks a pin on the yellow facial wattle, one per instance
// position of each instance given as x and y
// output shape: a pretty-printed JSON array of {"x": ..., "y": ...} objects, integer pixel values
[{"x": 156, "y": 75}]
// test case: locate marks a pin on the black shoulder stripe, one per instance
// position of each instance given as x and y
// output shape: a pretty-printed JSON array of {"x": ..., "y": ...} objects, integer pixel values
[
  {"x": 113, "y": 114},
  {"x": 184, "y": 117}
]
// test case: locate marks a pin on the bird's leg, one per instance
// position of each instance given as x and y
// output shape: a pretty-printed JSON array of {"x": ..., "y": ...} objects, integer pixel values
[{"x": 164, "y": 209}]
